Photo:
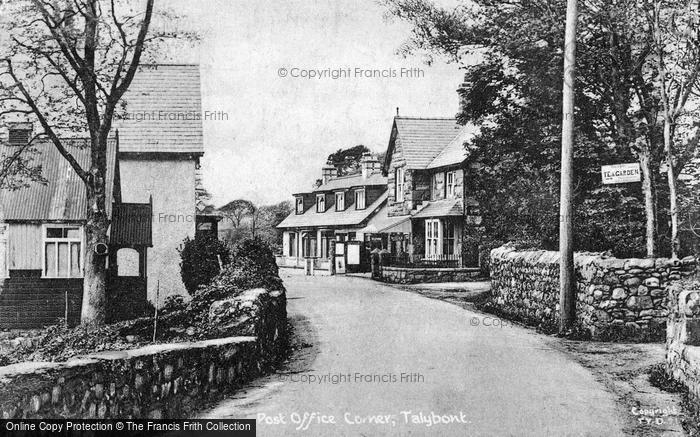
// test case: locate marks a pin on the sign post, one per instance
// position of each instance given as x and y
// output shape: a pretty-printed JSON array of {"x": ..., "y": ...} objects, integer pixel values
[{"x": 621, "y": 173}]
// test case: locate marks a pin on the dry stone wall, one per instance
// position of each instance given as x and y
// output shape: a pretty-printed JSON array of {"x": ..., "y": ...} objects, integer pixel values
[
  {"x": 683, "y": 339},
  {"x": 616, "y": 298},
  {"x": 157, "y": 381}
]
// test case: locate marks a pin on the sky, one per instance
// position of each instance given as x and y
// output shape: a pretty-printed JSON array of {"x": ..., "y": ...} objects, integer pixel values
[{"x": 275, "y": 128}]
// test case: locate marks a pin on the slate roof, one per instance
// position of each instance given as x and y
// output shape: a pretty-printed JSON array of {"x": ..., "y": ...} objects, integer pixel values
[
  {"x": 422, "y": 139},
  {"x": 441, "y": 208},
  {"x": 381, "y": 223},
  {"x": 132, "y": 224},
  {"x": 455, "y": 153},
  {"x": 63, "y": 197},
  {"x": 355, "y": 180},
  {"x": 163, "y": 111},
  {"x": 333, "y": 218}
]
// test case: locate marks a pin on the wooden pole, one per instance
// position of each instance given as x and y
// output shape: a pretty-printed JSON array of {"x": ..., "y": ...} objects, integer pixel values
[
  {"x": 155, "y": 315},
  {"x": 567, "y": 281}
]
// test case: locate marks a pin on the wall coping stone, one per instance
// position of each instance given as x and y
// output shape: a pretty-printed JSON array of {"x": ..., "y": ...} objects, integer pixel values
[{"x": 29, "y": 367}]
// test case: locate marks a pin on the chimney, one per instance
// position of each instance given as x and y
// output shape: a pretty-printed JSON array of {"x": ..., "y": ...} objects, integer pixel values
[
  {"x": 368, "y": 164},
  {"x": 329, "y": 172}
]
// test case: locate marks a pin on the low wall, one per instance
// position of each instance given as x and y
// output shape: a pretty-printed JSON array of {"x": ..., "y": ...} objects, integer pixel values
[
  {"x": 157, "y": 381},
  {"x": 683, "y": 339},
  {"x": 160, "y": 381},
  {"x": 615, "y": 299},
  {"x": 404, "y": 275}
]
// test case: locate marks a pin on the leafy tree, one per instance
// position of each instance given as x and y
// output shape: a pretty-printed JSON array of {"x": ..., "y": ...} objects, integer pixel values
[
  {"x": 512, "y": 88},
  {"x": 66, "y": 65},
  {"x": 347, "y": 161},
  {"x": 236, "y": 210}
]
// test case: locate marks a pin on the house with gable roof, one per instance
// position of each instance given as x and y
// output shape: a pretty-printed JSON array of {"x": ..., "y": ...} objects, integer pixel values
[
  {"x": 161, "y": 145},
  {"x": 153, "y": 159},
  {"x": 424, "y": 162}
]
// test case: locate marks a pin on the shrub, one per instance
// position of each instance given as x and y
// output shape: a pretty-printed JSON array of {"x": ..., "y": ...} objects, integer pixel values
[
  {"x": 200, "y": 260},
  {"x": 252, "y": 266}
]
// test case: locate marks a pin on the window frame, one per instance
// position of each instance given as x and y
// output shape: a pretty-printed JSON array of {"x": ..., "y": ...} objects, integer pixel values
[
  {"x": 450, "y": 187},
  {"x": 45, "y": 239},
  {"x": 340, "y": 201},
  {"x": 433, "y": 234},
  {"x": 320, "y": 202},
  {"x": 449, "y": 234},
  {"x": 300, "y": 205},
  {"x": 399, "y": 184},
  {"x": 4, "y": 250},
  {"x": 357, "y": 198}
]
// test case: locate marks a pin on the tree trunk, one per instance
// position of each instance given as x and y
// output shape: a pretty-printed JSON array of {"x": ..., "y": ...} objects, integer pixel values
[
  {"x": 94, "y": 307},
  {"x": 649, "y": 206},
  {"x": 671, "y": 175}
]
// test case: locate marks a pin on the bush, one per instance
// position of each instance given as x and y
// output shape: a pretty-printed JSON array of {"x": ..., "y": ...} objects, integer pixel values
[
  {"x": 200, "y": 260},
  {"x": 252, "y": 266}
]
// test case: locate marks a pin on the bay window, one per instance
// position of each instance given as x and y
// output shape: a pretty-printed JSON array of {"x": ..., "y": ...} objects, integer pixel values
[{"x": 63, "y": 248}]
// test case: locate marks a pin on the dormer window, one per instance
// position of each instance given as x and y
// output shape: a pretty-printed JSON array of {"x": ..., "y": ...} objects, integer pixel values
[
  {"x": 340, "y": 201},
  {"x": 300, "y": 205},
  {"x": 321, "y": 203},
  {"x": 360, "y": 199},
  {"x": 19, "y": 137}
]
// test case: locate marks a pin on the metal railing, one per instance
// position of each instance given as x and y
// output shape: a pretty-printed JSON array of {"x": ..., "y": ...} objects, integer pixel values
[{"x": 423, "y": 261}]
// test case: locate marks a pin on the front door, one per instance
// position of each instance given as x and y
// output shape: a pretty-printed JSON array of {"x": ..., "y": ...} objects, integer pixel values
[{"x": 339, "y": 257}]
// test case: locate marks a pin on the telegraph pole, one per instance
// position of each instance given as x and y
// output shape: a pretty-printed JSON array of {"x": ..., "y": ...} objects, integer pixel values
[{"x": 567, "y": 281}]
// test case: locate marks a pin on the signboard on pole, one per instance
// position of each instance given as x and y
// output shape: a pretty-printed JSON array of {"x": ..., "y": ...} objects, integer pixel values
[{"x": 621, "y": 173}]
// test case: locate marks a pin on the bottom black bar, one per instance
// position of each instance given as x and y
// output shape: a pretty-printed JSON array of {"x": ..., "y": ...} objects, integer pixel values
[{"x": 125, "y": 428}]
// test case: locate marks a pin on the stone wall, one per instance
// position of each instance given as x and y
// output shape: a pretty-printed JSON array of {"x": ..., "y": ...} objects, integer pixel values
[
  {"x": 683, "y": 339},
  {"x": 157, "y": 381},
  {"x": 616, "y": 298},
  {"x": 404, "y": 275}
]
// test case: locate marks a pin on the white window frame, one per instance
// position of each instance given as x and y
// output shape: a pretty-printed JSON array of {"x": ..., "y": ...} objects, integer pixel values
[
  {"x": 400, "y": 182},
  {"x": 340, "y": 201},
  {"x": 300, "y": 205},
  {"x": 360, "y": 195},
  {"x": 320, "y": 203},
  {"x": 45, "y": 239},
  {"x": 4, "y": 251},
  {"x": 450, "y": 185},
  {"x": 433, "y": 238}
]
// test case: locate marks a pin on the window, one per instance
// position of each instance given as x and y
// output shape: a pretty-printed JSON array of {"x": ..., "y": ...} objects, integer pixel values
[
  {"x": 300, "y": 205},
  {"x": 3, "y": 251},
  {"x": 360, "y": 199},
  {"x": 450, "y": 184},
  {"x": 340, "y": 201},
  {"x": 292, "y": 244},
  {"x": 19, "y": 137},
  {"x": 63, "y": 252},
  {"x": 433, "y": 241},
  {"x": 448, "y": 240},
  {"x": 400, "y": 184},
  {"x": 321, "y": 203}
]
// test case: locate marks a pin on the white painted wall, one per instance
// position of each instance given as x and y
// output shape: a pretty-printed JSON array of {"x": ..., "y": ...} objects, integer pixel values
[{"x": 171, "y": 183}]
